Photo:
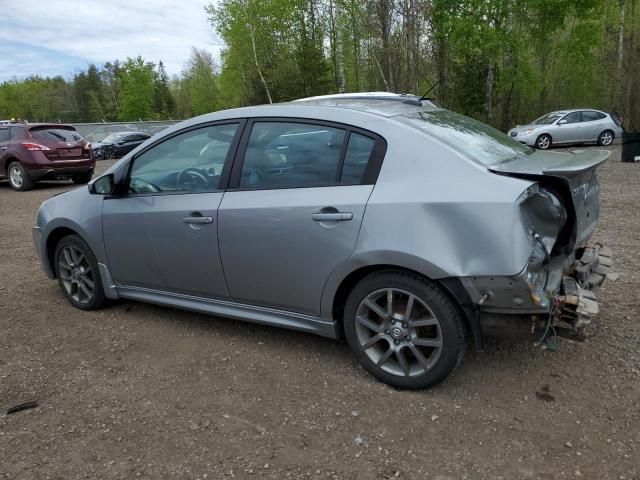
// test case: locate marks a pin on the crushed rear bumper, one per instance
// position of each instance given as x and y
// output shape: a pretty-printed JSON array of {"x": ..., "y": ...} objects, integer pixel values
[{"x": 576, "y": 303}]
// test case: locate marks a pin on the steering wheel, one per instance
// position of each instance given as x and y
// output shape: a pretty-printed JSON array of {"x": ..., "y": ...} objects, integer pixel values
[
  {"x": 143, "y": 186},
  {"x": 192, "y": 178}
]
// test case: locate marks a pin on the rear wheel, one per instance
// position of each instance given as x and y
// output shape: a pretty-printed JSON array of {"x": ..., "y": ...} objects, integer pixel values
[
  {"x": 543, "y": 142},
  {"x": 81, "y": 178},
  {"x": 606, "y": 138},
  {"x": 18, "y": 179},
  {"x": 403, "y": 329},
  {"x": 77, "y": 271}
]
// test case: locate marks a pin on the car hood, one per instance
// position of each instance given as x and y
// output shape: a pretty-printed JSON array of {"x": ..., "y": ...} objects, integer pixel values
[
  {"x": 573, "y": 174},
  {"x": 520, "y": 128}
]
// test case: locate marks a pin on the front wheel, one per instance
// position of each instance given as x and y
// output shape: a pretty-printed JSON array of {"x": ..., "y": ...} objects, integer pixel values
[
  {"x": 543, "y": 142},
  {"x": 404, "y": 329},
  {"x": 606, "y": 138},
  {"x": 77, "y": 271}
]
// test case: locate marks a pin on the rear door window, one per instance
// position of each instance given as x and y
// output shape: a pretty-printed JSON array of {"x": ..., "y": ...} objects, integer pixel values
[
  {"x": 591, "y": 116},
  {"x": 292, "y": 155},
  {"x": 55, "y": 134},
  {"x": 4, "y": 135}
]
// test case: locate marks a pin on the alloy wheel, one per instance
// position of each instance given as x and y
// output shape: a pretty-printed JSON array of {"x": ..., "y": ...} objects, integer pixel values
[
  {"x": 544, "y": 142},
  {"x": 76, "y": 274},
  {"x": 606, "y": 138},
  {"x": 398, "y": 332},
  {"x": 15, "y": 176}
]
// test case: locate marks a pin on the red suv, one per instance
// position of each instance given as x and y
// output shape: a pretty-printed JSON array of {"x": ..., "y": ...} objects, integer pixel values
[{"x": 39, "y": 151}]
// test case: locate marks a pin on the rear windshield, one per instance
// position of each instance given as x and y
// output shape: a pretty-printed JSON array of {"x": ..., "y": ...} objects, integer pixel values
[
  {"x": 474, "y": 139},
  {"x": 56, "y": 134}
]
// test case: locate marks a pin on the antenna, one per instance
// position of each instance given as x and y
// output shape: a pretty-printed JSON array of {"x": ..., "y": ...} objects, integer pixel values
[{"x": 425, "y": 97}]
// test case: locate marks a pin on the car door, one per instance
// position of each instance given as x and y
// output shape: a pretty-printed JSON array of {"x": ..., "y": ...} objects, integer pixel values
[
  {"x": 126, "y": 144},
  {"x": 162, "y": 234},
  {"x": 293, "y": 209},
  {"x": 592, "y": 125},
  {"x": 568, "y": 129}
]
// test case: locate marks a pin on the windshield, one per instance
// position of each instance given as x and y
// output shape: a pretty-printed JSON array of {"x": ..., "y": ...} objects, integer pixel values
[
  {"x": 478, "y": 141},
  {"x": 547, "y": 119}
]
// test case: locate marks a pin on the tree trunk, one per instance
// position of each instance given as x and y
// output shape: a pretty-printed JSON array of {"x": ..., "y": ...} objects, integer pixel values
[
  {"x": 488, "y": 94},
  {"x": 340, "y": 53},
  {"x": 620, "y": 63},
  {"x": 255, "y": 58}
]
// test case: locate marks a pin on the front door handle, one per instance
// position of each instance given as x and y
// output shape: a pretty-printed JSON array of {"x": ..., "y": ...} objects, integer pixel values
[
  {"x": 198, "y": 220},
  {"x": 332, "y": 217},
  {"x": 3, "y": 148}
]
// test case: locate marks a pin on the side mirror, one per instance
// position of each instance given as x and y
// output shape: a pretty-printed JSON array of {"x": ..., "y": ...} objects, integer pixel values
[
  {"x": 103, "y": 185},
  {"x": 120, "y": 142},
  {"x": 562, "y": 122}
]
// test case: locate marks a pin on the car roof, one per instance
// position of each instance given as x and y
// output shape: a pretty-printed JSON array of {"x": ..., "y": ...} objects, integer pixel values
[
  {"x": 129, "y": 132},
  {"x": 45, "y": 125},
  {"x": 384, "y": 104},
  {"x": 572, "y": 110}
]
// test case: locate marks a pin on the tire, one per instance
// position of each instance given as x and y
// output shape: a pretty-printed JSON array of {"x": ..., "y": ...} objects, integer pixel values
[
  {"x": 434, "y": 318},
  {"x": 81, "y": 178},
  {"x": 18, "y": 177},
  {"x": 606, "y": 138},
  {"x": 77, "y": 272},
  {"x": 543, "y": 142}
]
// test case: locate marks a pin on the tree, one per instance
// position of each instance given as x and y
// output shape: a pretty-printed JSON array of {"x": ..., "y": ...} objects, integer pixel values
[
  {"x": 200, "y": 81},
  {"x": 135, "y": 97},
  {"x": 164, "y": 104}
]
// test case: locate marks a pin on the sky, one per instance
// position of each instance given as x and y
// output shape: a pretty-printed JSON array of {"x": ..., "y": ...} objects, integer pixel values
[{"x": 63, "y": 37}]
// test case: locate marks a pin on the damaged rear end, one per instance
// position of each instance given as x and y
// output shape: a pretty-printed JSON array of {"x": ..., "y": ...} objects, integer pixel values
[{"x": 560, "y": 213}]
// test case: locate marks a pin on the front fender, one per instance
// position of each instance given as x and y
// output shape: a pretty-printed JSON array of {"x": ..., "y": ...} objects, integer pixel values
[{"x": 55, "y": 215}]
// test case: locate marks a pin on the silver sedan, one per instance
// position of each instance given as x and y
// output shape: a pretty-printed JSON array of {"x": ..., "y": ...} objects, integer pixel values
[
  {"x": 569, "y": 127},
  {"x": 403, "y": 227}
]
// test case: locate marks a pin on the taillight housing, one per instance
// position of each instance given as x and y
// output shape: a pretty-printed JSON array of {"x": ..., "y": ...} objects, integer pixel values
[
  {"x": 34, "y": 147},
  {"x": 542, "y": 213}
]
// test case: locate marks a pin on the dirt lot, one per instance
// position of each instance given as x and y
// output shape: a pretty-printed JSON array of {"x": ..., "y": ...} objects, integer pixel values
[{"x": 138, "y": 391}]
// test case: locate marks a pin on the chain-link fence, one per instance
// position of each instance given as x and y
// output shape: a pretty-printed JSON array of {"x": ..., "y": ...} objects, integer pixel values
[{"x": 96, "y": 132}]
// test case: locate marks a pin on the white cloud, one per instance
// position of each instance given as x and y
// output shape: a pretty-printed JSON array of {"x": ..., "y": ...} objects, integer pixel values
[{"x": 61, "y": 33}]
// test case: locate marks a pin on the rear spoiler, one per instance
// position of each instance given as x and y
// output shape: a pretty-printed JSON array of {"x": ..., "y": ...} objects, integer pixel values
[{"x": 552, "y": 163}]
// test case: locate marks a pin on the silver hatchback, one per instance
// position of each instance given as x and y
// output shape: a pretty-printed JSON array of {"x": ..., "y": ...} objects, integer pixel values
[
  {"x": 569, "y": 127},
  {"x": 403, "y": 227}
]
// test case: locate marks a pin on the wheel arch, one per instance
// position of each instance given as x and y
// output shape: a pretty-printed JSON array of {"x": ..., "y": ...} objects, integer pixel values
[
  {"x": 450, "y": 286},
  {"x": 610, "y": 130},
  {"x": 52, "y": 240},
  {"x": 8, "y": 162}
]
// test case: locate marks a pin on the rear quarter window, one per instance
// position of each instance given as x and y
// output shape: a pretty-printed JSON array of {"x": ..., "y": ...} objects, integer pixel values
[{"x": 474, "y": 139}]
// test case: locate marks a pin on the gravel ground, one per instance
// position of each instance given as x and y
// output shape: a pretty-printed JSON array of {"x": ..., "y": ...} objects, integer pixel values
[{"x": 139, "y": 391}]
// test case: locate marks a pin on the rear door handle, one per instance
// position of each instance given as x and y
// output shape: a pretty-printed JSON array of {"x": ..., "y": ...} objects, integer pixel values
[
  {"x": 3, "y": 148},
  {"x": 198, "y": 220},
  {"x": 332, "y": 217}
]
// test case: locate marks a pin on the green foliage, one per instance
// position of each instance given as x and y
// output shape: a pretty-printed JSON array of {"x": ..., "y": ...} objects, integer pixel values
[{"x": 135, "y": 96}]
